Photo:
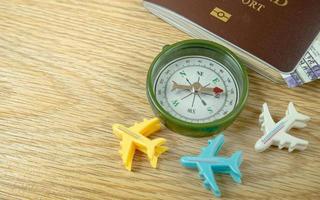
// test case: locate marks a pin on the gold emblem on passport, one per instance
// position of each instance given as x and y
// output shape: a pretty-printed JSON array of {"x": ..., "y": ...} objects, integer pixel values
[{"x": 221, "y": 14}]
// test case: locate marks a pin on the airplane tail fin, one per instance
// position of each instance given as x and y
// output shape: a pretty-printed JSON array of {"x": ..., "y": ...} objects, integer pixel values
[
  {"x": 235, "y": 162},
  {"x": 156, "y": 143},
  {"x": 158, "y": 152},
  {"x": 301, "y": 119}
]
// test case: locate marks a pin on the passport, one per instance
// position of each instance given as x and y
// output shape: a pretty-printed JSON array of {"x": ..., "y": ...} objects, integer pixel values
[{"x": 270, "y": 36}]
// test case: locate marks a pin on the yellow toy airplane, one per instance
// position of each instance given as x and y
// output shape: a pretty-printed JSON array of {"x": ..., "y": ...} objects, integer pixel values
[{"x": 135, "y": 137}]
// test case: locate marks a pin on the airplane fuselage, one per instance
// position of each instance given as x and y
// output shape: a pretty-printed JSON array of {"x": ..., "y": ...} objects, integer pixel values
[
  {"x": 281, "y": 127},
  {"x": 220, "y": 162}
]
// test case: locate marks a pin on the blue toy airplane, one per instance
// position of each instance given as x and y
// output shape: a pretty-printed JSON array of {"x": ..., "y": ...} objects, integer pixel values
[{"x": 208, "y": 163}]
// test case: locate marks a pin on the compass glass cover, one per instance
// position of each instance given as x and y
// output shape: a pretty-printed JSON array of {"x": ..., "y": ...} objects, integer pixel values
[{"x": 196, "y": 89}]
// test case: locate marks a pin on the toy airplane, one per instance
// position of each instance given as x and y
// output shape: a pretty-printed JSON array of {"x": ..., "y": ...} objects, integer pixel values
[
  {"x": 135, "y": 137},
  {"x": 277, "y": 133},
  {"x": 208, "y": 163}
]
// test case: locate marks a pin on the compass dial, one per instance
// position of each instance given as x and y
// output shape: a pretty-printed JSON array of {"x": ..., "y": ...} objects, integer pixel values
[{"x": 196, "y": 89}]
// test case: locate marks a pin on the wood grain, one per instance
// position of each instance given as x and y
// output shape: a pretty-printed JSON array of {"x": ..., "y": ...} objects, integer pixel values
[{"x": 69, "y": 69}]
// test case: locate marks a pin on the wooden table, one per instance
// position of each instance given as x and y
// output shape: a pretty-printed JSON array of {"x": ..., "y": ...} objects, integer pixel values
[{"x": 71, "y": 69}]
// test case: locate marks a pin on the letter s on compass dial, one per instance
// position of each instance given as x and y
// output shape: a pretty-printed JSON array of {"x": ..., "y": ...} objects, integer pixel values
[{"x": 197, "y": 87}]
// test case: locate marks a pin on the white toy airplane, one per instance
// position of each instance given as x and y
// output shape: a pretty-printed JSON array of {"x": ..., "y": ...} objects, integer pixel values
[{"x": 277, "y": 133}]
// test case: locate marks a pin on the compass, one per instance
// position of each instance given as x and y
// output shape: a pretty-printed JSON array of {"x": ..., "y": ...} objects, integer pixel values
[{"x": 197, "y": 87}]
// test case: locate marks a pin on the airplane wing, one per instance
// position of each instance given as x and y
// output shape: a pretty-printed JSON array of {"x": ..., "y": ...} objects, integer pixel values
[
  {"x": 147, "y": 127},
  {"x": 206, "y": 174},
  {"x": 127, "y": 152},
  {"x": 213, "y": 147},
  {"x": 286, "y": 140},
  {"x": 266, "y": 120},
  {"x": 300, "y": 119},
  {"x": 127, "y": 147}
]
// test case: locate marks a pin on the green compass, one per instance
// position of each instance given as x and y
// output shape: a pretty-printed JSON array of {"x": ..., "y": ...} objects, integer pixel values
[{"x": 197, "y": 87}]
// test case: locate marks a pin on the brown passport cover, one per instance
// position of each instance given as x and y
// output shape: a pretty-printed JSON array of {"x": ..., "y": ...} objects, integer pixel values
[{"x": 278, "y": 35}]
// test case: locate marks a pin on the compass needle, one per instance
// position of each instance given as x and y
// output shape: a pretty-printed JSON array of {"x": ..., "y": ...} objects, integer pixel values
[
  {"x": 180, "y": 86},
  {"x": 174, "y": 86},
  {"x": 215, "y": 90}
]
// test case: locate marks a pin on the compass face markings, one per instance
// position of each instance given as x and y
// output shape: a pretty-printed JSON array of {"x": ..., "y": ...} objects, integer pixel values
[{"x": 196, "y": 89}]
